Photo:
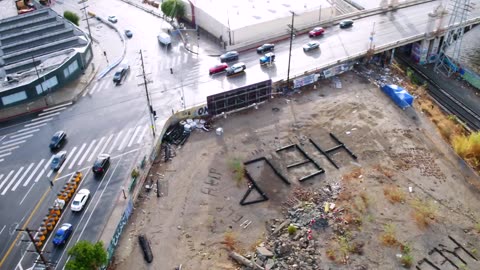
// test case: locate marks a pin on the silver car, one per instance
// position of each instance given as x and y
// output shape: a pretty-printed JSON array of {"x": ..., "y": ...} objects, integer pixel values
[
  {"x": 58, "y": 160},
  {"x": 312, "y": 45}
]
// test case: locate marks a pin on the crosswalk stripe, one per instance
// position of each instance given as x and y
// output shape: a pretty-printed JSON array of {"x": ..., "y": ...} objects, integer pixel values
[
  {"x": 43, "y": 117},
  {"x": 6, "y": 178},
  {"x": 133, "y": 136},
  {"x": 12, "y": 144},
  {"x": 48, "y": 162},
  {"x": 6, "y": 154},
  {"x": 25, "y": 174},
  {"x": 94, "y": 87},
  {"x": 1, "y": 176},
  {"x": 43, "y": 121},
  {"x": 9, "y": 149},
  {"x": 76, "y": 156},
  {"x": 143, "y": 134},
  {"x": 86, "y": 152},
  {"x": 125, "y": 139},
  {"x": 52, "y": 111},
  {"x": 95, "y": 150},
  {"x": 21, "y": 178},
  {"x": 2, "y": 160},
  {"x": 50, "y": 172},
  {"x": 12, "y": 181},
  {"x": 39, "y": 175},
  {"x": 17, "y": 139},
  {"x": 58, "y": 106},
  {"x": 106, "y": 144},
  {"x": 33, "y": 173},
  {"x": 115, "y": 141},
  {"x": 69, "y": 157},
  {"x": 25, "y": 129},
  {"x": 30, "y": 131}
]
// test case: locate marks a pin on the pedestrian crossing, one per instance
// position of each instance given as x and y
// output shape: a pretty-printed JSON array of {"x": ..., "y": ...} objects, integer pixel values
[
  {"x": 78, "y": 156},
  {"x": 13, "y": 141}
]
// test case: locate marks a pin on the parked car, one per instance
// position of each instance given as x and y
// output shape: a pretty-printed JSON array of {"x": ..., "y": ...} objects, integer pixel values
[
  {"x": 58, "y": 160},
  {"x": 217, "y": 68},
  {"x": 112, "y": 19},
  {"x": 128, "y": 33},
  {"x": 80, "y": 200},
  {"x": 311, "y": 46},
  {"x": 101, "y": 164},
  {"x": 317, "y": 31},
  {"x": 346, "y": 23},
  {"x": 267, "y": 58},
  {"x": 266, "y": 48},
  {"x": 58, "y": 139},
  {"x": 229, "y": 56},
  {"x": 236, "y": 69},
  {"x": 121, "y": 72},
  {"x": 62, "y": 234},
  {"x": 164, "y": 39}
]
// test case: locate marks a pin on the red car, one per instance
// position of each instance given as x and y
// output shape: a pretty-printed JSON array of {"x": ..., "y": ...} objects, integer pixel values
[
  {"x": 317, "y": 31},
  {"x": 218, "y": 68}
]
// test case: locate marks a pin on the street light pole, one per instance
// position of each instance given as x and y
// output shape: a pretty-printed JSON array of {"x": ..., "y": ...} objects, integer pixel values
[
  {"x": 149, "y": 104},
  {"x": 290, "y": 49}
]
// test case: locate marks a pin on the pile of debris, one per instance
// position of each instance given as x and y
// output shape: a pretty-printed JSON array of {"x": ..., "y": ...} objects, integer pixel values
[{"x": 178, "y": 133}]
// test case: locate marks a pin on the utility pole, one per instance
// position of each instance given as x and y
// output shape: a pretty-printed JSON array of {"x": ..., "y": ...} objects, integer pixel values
[
  {"x": 37, "y": 250},
  {"x": 151, "y": 113},
  {"x": 292, "y": 29},
  {"x": 84, "y": 8}
]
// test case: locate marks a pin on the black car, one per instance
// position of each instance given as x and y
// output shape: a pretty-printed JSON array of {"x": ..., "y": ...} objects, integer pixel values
[
  {"x": 346, "y": 23},
  {"x": 119, "y": 75},
  {"x": 58, "y": 139},
  {"x": 128, "y": 33},
  {"x": 101, "y": 164},
  {"x": 229, "y": 56},
  {"x": 265, "y": 48}
]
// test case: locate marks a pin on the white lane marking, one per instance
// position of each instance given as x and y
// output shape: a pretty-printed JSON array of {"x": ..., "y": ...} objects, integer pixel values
[
  {"x": 2, "y": 160},
  {"x": 43, "y": 121},
  {"x": 95, "y": 150},
  {"x": 133, "y": 136},
  {"x": 86, "y": 152},
  {"x": 30, "y": 131},
  {"x": 115, "y": 141},
  {"x": 106, "y": 144},
  {"x": 6, "y": 154},
  {"x": 33, "y": 173},
  {"x": 3, "y": 229},
  {"x": 69, "y": 156},
  {"x": 9, "y": 149},
  {"x": 58, "y": 106},
  {"x": 93, "y": 88},
  {"x": 76, "y": 156},
  {"x": 22, "y": 130},
  {"x": 125, "y": 139},
  {"x": 23, "y": 176},
  {"x": 52, "y": 111},
  {"x": 49, "y": 162},
  {"x": 49, "y": 173},
  {"x": 3, "y": 138},
  {"x": 17, "y": 139},
  {"x": 26, "y": 194},
  {"x": 143, "y": 134},
  {"x": 40, "y": 175},
  {"x": 1, "y": 176},
  {"x": 12, "y": 144},
  {"x": 11, "y": 181},
  {"x": 43, "y": 117},
  {"x": 6, "y": 178}
]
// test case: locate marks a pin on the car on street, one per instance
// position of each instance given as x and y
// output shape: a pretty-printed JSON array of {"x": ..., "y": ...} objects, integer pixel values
[
  {"x": 62, "y": 234},
  {"x": 267, "y": 58},
  {"x": 312, "y": 45},
  {"x": 217, "y": 68},
  {"x": 121, "y": 72},
  {"x": 236, "y": 69},
  {"x": 346, "y": 23},
  {"x": 101, "y": 164},
  {"x": 128, "y": 33},
  {"x": 80, "y": 200},
  {"x": 58, "y": 160},
  {"x": 317, "y": 31},
  {"x": 112, "y": 19},
  {"x": 266, "y": 48},
  {"x": 58, "y": 139},
  {"x": 229, "y": 56}
]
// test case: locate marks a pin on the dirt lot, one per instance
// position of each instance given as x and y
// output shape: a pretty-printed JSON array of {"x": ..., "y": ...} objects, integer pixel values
[{"x": 405, "y": 201}]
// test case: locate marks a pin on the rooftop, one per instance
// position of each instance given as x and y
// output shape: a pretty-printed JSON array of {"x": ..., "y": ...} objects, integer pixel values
[{"x": 35, "y": 43}]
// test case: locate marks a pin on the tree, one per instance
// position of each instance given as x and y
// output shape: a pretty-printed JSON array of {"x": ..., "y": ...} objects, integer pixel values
[
  {"x": 173, "y": 8},
  {"x": 71, "y": 16},
  {"x": 86, "y": 256}
]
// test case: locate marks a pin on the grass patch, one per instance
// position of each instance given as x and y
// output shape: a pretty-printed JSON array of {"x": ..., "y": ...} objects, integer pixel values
[
  {"x": 424, "y": 212},
  {"x": 331, "y": 254},
  {"x": 238, "y": 170},
  {"x": 468, "y": 147},
  {"x": 477, "y": 227},
  {"x": 407, "y": 258},
  {"x": 229, "y": 240},
  {"x": 388, "y": 236},
  {"x": 394, "y": 194},
  {"x": 292, "y": 229}
]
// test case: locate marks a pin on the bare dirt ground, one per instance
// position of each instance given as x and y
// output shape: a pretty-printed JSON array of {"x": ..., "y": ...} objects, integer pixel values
[{"x": 405, "y": 201}]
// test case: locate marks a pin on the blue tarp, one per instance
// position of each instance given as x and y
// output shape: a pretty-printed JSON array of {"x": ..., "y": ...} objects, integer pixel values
[{"x": 399, "y": 95}]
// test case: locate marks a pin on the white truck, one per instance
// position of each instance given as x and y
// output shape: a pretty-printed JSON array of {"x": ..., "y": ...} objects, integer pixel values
[{"x": 164, "y": 39}]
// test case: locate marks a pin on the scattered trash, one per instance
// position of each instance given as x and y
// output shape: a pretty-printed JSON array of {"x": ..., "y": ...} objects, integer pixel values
[
  {"x": 348, "y": 132},
  {"x": 410, "y": 189},
  {"x": 219, "y": 131}
]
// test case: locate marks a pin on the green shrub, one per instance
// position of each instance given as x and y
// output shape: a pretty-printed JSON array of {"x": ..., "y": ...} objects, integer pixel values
[
  {"x": 292, "y": 229},
  {"x": 71, "y": 16}
]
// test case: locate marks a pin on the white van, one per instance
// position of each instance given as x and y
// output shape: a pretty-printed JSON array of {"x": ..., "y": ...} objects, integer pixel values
[{"x": 164, "y": 39}]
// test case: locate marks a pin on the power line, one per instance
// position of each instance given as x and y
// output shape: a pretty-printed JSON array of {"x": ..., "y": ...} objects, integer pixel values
[
  {"x": 152, "y": 113},
  {"x": 37, "y": 249}
]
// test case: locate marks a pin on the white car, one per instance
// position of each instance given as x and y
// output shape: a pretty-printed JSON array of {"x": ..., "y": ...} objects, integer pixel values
[
  {"x": 236, "y": 69},
  {"x": 312, "y": 45},
  {"x": 112, "y": 19},
  {"x": 80, "y": 200}
]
